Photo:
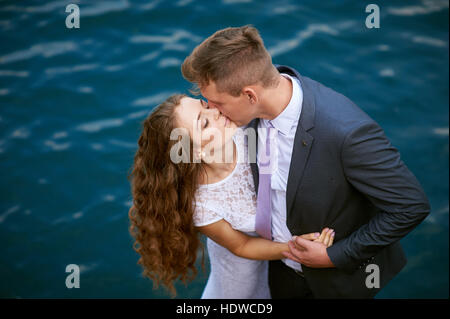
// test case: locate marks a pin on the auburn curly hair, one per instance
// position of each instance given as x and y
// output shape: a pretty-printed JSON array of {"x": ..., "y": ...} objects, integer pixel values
[{"x": 161, "y": 218}]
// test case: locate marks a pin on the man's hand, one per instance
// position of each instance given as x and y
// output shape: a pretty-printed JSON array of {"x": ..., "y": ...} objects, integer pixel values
[{"x": 311, "y": 253}]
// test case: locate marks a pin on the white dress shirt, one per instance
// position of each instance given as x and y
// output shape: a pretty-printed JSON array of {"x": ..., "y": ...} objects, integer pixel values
[{"x": 286, "y": 125}]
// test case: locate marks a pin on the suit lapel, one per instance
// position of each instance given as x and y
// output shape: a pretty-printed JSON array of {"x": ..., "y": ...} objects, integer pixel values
[
  {"x": 302, "y": 143},
  {"x": 302, "y": 147}
]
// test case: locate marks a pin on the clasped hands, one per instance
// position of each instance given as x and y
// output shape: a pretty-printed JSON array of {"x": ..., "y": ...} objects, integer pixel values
[{"x": 311, "y": 249}]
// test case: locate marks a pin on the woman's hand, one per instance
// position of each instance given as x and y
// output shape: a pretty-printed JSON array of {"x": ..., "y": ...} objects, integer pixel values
[
  {"x": 312, "y": 253},
  {"x": 326, "y": 237}
]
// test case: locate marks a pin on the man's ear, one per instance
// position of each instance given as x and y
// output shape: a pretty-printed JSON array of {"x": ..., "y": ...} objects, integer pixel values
[{"x": 250, "y": 94}]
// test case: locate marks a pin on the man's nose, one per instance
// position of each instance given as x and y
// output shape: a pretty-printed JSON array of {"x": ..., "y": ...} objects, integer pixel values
[{"x": 215, "y": 112}]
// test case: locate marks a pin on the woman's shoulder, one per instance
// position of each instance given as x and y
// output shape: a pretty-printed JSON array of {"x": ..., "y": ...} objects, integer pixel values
[{"x": 207, "y": 207}]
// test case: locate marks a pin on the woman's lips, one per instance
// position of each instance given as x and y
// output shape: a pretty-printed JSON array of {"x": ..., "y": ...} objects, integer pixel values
[{"x": 227, "y": 120}]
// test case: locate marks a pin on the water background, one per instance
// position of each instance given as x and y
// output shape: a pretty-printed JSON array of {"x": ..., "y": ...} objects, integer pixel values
[{"x": 71, "y": 103}]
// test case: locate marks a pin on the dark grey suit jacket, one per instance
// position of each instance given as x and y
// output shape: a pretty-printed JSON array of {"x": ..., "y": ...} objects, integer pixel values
[{"x": 345, "y": 174}]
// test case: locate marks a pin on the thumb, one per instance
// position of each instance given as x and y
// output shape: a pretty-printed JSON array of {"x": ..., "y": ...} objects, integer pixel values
[{"x": 302, "y": 243}]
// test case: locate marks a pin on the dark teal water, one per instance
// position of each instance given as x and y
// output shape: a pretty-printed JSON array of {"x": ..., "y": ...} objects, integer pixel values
[{"x": 71, "y": 103}]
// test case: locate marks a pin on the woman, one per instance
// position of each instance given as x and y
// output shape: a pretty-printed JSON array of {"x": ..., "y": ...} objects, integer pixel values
[{"x": 210, "y": 191}]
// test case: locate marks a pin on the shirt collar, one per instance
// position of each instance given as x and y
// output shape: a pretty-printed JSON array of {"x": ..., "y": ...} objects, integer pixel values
[{"x": 290, "y": 115}]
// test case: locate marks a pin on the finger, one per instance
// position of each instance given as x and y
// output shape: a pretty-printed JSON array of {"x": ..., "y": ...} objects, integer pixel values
[
  {"x": 327, "y": 237},
  {"x": 295, "y": 250},
  {"x": 310, "y": 236},
  {"x": 332, "y": 239},
  {"x": 322, "y": 235},
  {"x": 294, "y": 242},
  {"x": 302, "y": 244}
]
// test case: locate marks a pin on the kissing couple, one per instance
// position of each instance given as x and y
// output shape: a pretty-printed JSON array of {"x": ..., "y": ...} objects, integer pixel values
[{"x": 325, "y": 197}]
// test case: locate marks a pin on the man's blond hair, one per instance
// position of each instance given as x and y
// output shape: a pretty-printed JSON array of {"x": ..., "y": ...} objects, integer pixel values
[{"x": 232, "y": 58}]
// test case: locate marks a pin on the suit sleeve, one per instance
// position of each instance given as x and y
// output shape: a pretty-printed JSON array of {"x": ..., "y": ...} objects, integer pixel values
[{"x": 373, "y": 166}]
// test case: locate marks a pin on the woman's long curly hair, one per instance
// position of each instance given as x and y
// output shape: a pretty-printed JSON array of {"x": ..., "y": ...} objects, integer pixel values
[{"x": 163, "y": 202}]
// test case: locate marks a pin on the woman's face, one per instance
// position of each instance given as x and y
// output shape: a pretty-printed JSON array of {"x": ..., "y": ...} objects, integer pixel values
[{"x": 208, "y": 128}]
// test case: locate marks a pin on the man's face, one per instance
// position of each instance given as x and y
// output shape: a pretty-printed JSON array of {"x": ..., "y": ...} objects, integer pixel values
[{"x": 237, "y": 108}]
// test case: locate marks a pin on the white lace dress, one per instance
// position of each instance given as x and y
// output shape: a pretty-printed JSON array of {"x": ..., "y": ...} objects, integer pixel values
[{"x": 234, "y": 200}]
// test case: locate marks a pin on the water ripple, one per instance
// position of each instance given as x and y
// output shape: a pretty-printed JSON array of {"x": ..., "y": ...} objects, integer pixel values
[
  {"x": 152, "y": 99},
  {"x": 103, "y": 7},
  {"x": 441, "y": 131},
  {"x": 85, "y": 89},
  {"x": 169, "y": 62},
  {"x": 123, "y": 144},
  {"x": 429, "y": 41},
  {"x": 114, "y": 68},
  {"x": 96, "y": 126},
  {"x": 175, "y": 37},
  {"x": 285, "y": 9},
  {"x": 150, "y": 6},
  {"x": 19, "y": 74},
  {"x": 48, "y": 7},
  {"x": 71, "y": 69},
  {"x": 60, "y": 134},
  {"x": 68, "y": 219},
  {"x": 183, "y": 3},
  {"x": 149, "y": 57},
  {"x": 428, "y": 6},
  {"x": 235, "y": 1},
  {"x": 22, "y": 132},
  {"x": 135, "y": 115},
  {"x": 10, "y": 211},
  {"x": 387, "y": 72},
  {"x": 57, "y": 146},
  {"x": 85, "y": 268},
  {"x": 45, "y": 50},
  {"x": 290, "y": 44}
]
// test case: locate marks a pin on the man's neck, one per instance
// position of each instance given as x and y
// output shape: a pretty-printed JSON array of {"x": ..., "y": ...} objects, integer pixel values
[{"x": 276, "y": 99}]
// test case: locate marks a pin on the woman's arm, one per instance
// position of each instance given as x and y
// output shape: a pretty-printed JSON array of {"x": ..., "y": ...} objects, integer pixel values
[
  {"x": 246, "y": 246},
  {"x": 241, "y": 244}
]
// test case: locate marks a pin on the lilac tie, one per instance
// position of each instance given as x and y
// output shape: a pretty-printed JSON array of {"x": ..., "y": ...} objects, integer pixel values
[{"x": 263, "y": 224}]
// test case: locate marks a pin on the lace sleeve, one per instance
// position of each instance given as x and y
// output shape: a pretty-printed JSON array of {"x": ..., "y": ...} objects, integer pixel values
[{"x": 204, "y": 216}]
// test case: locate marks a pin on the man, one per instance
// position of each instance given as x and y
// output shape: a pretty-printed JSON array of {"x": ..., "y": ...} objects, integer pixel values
[{"x": 335, "y": 168}]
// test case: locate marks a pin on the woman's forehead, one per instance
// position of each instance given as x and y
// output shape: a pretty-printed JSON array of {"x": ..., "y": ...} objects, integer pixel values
[
  {"x": 188, "y": 110},
  {"x": 190, "y": 106}
]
